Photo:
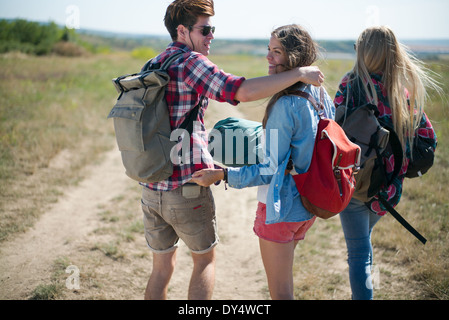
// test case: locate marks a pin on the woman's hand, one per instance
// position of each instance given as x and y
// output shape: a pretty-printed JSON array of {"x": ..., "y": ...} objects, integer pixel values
[
  {"x": 311, "y": 75},
  {"x": 206, "y": 177}
]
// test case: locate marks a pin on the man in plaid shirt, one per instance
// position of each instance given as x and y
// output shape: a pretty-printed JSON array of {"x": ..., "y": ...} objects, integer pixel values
[
  {"x": 193, "y": 76},
  {"x": 175, "y": 209}
]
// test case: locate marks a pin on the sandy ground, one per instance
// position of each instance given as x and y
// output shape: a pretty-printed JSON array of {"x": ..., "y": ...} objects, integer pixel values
[
  {"x": 70, "y": 229},
  {"x": 26, "y": 261}
]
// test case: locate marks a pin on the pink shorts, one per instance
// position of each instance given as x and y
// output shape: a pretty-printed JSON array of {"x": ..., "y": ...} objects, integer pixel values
[{"x": 282, "y": 232}]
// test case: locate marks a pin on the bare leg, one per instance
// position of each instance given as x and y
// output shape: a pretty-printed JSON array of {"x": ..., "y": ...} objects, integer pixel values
[
  {"x": 278, "y": 262},
  {"x": 163, "y": 267},
  {"x": 203, "y": 276}
]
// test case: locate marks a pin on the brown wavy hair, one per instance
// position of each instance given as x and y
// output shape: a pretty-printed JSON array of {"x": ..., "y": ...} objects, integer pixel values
[
  {"x": 186, "y": 13},
  {"x": 301, "y": 51}
]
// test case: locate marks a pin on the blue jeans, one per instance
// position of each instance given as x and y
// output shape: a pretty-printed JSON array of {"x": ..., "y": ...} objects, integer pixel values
[{"x": 358, "y": 222}]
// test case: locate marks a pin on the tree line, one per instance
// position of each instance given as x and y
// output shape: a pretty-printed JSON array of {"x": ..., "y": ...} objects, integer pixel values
[{"x": 32, "y": 37}]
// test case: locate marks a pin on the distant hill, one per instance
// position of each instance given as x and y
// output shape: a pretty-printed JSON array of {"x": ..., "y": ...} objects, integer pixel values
[
  {"x": 92, "y": 39},
  {"x": 331, "y": 48},
  {"x": 125, "y": 41}
]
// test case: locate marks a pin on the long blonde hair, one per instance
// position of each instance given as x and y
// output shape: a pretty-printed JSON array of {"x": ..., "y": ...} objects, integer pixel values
[
  {"x": 378, "y": 51},
  {"x": 300, "y": 50}
]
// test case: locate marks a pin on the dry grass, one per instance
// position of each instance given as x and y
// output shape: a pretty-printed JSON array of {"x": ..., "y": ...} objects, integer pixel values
[
  {"x": 51, "y": 105},
  {"x": 53, "y": 123}
]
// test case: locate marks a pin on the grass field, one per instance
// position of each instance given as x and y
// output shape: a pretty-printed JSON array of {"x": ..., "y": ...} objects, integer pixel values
[
  {"x": 49, "y": 104},
  {"x": 53, "y": 106}
]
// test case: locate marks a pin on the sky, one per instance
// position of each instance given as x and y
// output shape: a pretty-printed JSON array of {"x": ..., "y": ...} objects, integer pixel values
[{"x": 247, "y": 19}]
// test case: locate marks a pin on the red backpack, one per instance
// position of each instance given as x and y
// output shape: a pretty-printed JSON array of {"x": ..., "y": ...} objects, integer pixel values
[{"x": 328, "y": 185}]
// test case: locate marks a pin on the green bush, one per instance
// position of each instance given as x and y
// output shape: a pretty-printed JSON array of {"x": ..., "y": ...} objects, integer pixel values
[
  {"x": 144, "y": 53},
  {"x": 29, "y": 37}
]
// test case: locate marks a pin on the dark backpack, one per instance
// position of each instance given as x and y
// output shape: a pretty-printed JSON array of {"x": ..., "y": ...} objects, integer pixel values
[
  {"x": 376, "y": 138},
  {"x": 423, "y": 155},
  {"x": 142, "y": 122}
]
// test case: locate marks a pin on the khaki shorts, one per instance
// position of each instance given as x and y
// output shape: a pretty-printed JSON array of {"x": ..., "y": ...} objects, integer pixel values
[{"x": 186, "y": 213}]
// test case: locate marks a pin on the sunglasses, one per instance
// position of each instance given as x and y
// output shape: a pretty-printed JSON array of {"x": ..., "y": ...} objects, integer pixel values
[{"x": 205, "y": 30}]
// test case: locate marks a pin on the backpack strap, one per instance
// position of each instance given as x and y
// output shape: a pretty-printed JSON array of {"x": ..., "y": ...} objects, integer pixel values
[
  {"x": 402, "y": 221},
  {"x": 148, "y": 66},
  {"x": 170, "y": 60},
  {"x": 393, "y": 140},
  {"x": 396, "y": 147},
  {"x": 158, "y": 66},
  {"x": 318, "y": 108},
  {"x": 193, "y": 115}
]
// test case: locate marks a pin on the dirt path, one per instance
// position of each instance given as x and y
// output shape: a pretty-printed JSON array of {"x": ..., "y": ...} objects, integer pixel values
[
  {"x": 76, "y": 226},
  {"x": 96, "y": 226},
  {"x": 27, "y": 260}
]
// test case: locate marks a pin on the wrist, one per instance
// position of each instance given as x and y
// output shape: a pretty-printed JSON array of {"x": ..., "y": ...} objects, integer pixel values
[
  {"x": 301, "y": 75},
  {"x": 224, "y": 175}
]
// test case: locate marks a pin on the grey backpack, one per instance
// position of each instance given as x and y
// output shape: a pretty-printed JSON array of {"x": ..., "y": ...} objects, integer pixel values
[
  {"x": 142, "y": 123},
  {"x": 374, "y": 137}
]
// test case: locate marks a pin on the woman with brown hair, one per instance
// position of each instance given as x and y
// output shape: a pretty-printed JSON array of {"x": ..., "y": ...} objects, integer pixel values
[{"x": 290, "y": 124}]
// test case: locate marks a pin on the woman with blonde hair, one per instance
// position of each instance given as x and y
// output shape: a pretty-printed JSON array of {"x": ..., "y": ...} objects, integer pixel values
[
  {"x": 290, "y": 124},
  {"x": 388, "y": 76}
]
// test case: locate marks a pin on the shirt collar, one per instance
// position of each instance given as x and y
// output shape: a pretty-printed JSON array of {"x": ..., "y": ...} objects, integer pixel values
[{"x": 178, "y": 46}]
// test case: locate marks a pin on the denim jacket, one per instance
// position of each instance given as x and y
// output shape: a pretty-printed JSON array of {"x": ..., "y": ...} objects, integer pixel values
[{"x": 290, "y": 131}]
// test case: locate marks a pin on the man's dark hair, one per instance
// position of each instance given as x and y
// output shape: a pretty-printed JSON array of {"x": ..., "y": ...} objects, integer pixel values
[{"x": 186, "y": 13}]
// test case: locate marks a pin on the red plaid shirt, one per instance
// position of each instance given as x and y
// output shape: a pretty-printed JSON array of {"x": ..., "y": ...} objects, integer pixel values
[{"x": 192, "y": 76}]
